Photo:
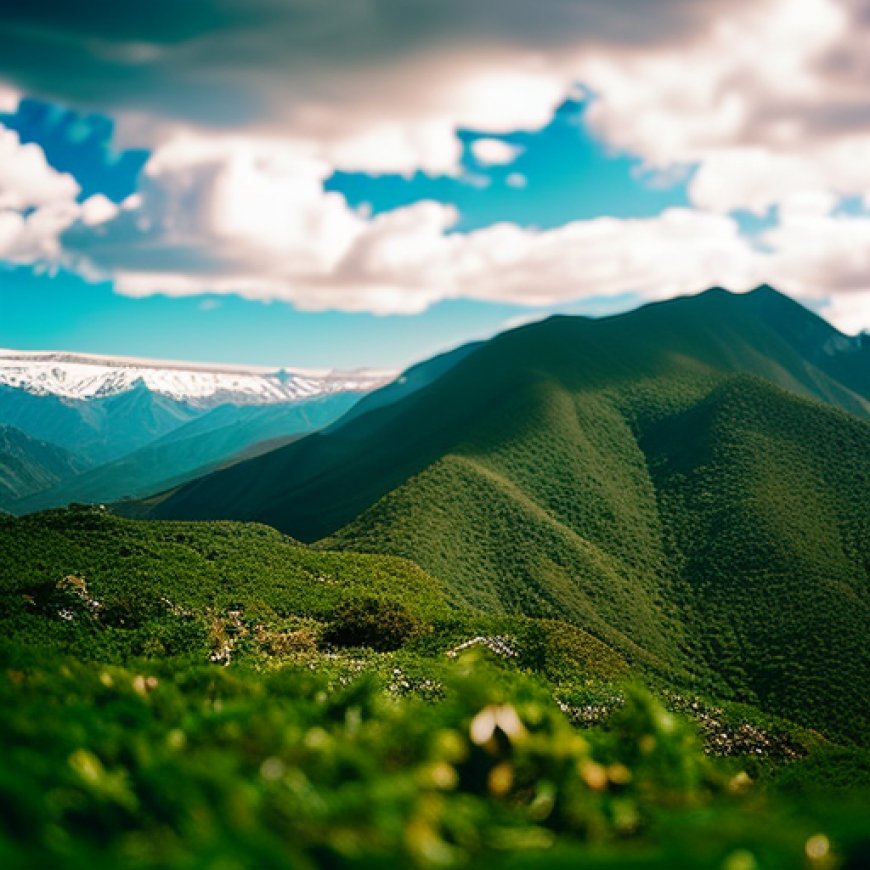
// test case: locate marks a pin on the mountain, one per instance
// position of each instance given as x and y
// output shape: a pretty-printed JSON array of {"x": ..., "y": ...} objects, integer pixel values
[
  {"x": 100, "y": 429},
  {"x": 695, "y": 340},
  {"x": 193, "y": 449},
  {"x": 688, "y": 482},
  {"x": 409, "y": 381},
  {"x": 28, "y": 465},
  {"x": 89, "y": 376},
  {"x": 122, "y": 414}
]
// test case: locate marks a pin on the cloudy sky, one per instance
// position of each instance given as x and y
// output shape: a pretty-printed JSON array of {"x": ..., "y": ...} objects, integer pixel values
[{"x": 365, "y": 182}]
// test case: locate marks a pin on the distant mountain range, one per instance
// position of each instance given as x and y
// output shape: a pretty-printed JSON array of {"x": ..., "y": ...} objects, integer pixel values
[
  {"x": 89, "y": 376},
  {"x": 688, "y": 482},
  {"x": 128, "y": 427}
]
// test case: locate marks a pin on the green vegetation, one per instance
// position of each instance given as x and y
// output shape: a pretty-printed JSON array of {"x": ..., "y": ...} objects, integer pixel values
[
  {"x": 448, "y": 674},
  {"x": 634, "y": 476},
  {"x": 179, "y": 582},
  {"x": 162, "y": 765},
  {"x": 372, "y": 622},
  {"x": 215, "y": 694}
]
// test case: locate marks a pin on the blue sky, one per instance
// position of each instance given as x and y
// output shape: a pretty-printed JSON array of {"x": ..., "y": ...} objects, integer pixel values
[
  {"x": 567, "y": 173},
  {"x": 65, "y": 312},
  {"x": 370, "y": 183}
]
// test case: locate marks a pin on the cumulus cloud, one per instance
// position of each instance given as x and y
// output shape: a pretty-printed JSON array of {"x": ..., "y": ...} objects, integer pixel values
[
  {"x": 381, "y": 84},
  {"x": 251, "y": 105},
  {"x": 770, "y": 101},
  {"x": 37, "y": 203},
  {"x": 26, "y": 179},
  {"x": 200, "y": 226},
  {"x": 98, "y": 209},
  {"x": 814, "y": 250}
]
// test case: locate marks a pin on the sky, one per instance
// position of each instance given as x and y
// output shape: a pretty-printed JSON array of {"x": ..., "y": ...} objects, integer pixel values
[{"x": 368, "y": 182}]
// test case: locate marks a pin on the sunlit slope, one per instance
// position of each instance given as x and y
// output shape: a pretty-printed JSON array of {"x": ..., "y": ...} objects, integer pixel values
[
  {"x": 765, "y": 504},
  {"x": 316, "y": 486},
  {"x": 194, "y": 567},
  {"x": 676, "y": 481}
]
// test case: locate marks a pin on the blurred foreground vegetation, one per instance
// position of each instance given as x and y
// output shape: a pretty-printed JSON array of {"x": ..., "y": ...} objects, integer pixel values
[{"x": 216, "y": 696}]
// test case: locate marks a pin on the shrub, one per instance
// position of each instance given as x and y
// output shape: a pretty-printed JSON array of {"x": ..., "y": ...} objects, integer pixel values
[{"x": 372, "y": 622}]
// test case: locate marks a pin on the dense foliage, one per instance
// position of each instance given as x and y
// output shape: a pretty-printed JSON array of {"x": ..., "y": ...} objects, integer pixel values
[
  {"x": 172, "y": 763},
  {"x": 216, "y": 718},
  {"x": 627, "y": 505},
  {"x": 634, "y": 476}
]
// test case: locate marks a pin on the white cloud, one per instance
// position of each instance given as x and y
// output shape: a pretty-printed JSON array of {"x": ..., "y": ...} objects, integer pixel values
[
  {"x": 816, "y": 254},
  {"x": 770, "y": 102},
  {"x": 37, "y": 203},
  {"x": 516, "y": 179},
  {"x": 850, "y": 314},
  {"x": 98, "y": 209},
  {"x": 26, "y": 179},
  {"x": 247, "y": 217},
  {"x": 9, "y": 98},
  {"x": 494, "y": 152},
  {"x": 35, "y": 237}
]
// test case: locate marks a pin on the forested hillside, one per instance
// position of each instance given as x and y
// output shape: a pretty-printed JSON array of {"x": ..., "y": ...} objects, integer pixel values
[{"x": 679, "y": 481}]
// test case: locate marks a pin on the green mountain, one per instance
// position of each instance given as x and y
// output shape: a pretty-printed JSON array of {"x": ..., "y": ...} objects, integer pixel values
[
  {"x": 98, "y": 429},
  {"x": 207, "y": 442},
  {"x": 28, "y": 465},
  {"x": 694, "y": 341},
  {"x": 682, "y": 481}
]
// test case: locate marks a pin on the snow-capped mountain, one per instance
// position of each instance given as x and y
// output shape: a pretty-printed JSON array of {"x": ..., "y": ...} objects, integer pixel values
[{"x": 89, "y": 376}]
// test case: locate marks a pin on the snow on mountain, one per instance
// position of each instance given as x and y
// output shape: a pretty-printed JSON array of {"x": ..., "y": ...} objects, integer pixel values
[{"x": 88, "y": 376}]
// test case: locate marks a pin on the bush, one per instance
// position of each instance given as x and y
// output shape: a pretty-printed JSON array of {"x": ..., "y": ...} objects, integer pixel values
[{"x": 372, "y": 622}]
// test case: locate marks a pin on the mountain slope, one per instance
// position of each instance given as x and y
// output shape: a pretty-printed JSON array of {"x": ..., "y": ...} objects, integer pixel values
[
  {"x": 193, "y": 449},
  {"x": 99, "y": 430},
  {"x": 628, "y": 475},
  {"x": 28, "y": 465},
  {"x": 764, "y": 500},
  {"x": 321, "y": 483},
  {"x": 412, "y": 379}
]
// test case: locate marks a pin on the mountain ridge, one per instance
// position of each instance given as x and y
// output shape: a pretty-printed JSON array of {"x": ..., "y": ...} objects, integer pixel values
[
  {"x": 585, "y": 353},
  {"x": 89, "y": 376},
  {"x": 29, "y": 464},
  {"x": 687, "y": 483}
]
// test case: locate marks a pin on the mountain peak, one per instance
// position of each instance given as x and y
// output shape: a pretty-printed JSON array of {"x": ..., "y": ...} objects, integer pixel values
[{"x": 87, "y": 376}]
